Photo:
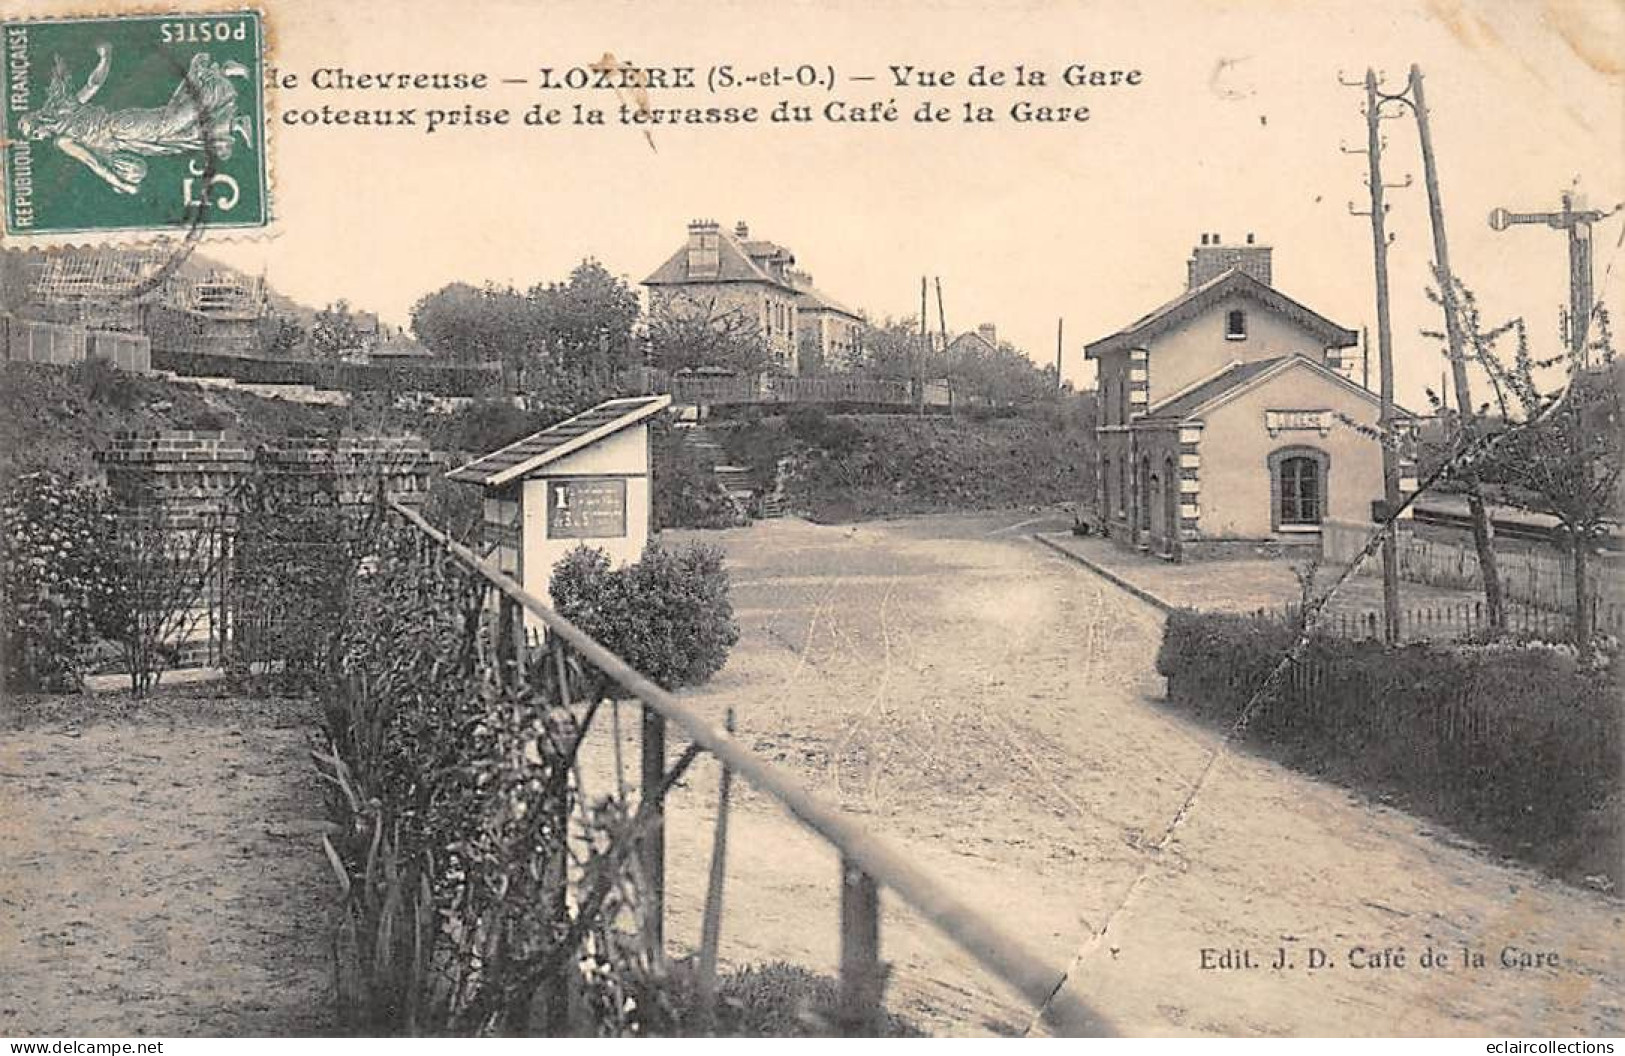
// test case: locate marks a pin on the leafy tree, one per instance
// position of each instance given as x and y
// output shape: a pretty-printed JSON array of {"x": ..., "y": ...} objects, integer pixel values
[
  {"x": 488, "y": 324},
  {"x": 335, "y": 331},
  {"x": 564, "y": 342},
  {"x": 281, "y": 336},
  {"x": 587, "y": 323},
  {"x": 892, "y": 350}
]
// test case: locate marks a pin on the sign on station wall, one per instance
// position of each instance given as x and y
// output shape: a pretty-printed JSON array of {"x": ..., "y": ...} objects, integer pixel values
[{"x": 586, "y": 508}]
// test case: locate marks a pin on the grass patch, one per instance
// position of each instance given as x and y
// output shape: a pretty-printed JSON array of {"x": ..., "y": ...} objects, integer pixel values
[{"x": 774, "y": 1000}]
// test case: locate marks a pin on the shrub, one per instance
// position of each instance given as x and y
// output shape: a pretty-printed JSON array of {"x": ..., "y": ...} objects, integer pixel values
[
  {"x": 836, "y": 436},
  {"x": 758, "y": 444},
  {"x": 1515, "y": 744},
  {"x": 687, "y": 493},
  {"x": 102, "y": 382},
  {"x": 774, "y": 1000},
  {"x": 668, "y": 615},
  {"x": 58, "y": 577}
]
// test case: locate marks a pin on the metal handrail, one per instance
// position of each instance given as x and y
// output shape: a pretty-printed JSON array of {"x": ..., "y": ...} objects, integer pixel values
[{"x": 1004, "y": 956}]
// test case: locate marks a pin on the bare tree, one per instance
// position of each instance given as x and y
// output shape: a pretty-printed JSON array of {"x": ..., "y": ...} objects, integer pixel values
[
  {"x": 1564, "y": 451},
  {"x": 689, "y": 335},
  {"x": 163, "y": 576}
]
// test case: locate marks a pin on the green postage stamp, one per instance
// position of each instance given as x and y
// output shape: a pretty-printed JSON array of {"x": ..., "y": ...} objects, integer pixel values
[{"x": 141, "y": 123}]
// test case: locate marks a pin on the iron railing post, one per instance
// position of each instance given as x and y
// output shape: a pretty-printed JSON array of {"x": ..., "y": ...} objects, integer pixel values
[
  {"x": 862, "y": 977},
  {"x": 652, "y": 848}
]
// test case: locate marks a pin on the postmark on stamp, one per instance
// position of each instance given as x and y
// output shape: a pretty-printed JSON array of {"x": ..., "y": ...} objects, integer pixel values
[{"x": 139, "y": 123}]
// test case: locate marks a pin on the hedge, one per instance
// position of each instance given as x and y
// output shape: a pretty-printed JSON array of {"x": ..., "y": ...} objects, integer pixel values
[{"x": 1515, "y": 745}]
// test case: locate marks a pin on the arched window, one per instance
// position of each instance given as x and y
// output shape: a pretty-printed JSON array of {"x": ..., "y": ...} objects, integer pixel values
[
  {"x": 1235, "y": 325},
  {"x": 1298, "y": 487},
  {"x": 1300, "y": 490}
]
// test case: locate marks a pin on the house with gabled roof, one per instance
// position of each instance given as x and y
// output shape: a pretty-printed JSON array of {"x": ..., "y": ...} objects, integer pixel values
[
  {"x": 730, "y": 278},
  {"x": 1224, "y": 424}
]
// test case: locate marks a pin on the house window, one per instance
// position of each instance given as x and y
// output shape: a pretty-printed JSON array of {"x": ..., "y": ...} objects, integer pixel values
[
  {"x": 1235, "y": 325},
  {"x": 1300, "y": 491},
  {"x": 1298, "y": 488}
]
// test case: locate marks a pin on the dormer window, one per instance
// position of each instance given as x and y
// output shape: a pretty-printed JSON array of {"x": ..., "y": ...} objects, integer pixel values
[{"x": 1235, "y": 325}]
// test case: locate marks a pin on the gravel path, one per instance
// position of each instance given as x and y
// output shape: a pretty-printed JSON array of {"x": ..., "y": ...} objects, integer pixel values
[
  {"x": 161, "y": 875},
  {"x": 993, "y": 708}
]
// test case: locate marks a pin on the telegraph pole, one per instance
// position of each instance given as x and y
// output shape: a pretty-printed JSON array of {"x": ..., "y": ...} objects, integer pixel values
[
  {"x": 942, "y": 324},
  {"x": 1385, "y": 355},
  {"x": 925, "y": 348},
  {"x": 1060, "y": 331},
  {"x": 1482, "y": 540},
  {"x": 1577, "y": 223}
]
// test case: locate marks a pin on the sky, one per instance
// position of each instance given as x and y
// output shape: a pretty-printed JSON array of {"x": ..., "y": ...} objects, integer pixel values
[{"x": 1236, "y": 127}]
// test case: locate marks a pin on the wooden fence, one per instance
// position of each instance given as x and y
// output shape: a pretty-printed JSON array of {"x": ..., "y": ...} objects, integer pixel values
[
  {"x": 867, "y": 864},
  {"x": 1541, "y": 577}
]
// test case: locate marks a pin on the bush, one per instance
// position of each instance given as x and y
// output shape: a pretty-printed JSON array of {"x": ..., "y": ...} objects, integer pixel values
[
  {"x": 758, "y": 445},
  {"x": 102, "y": 382},
  {"x": 668, "y": 615},
  {"x": 1513, "y": 744},
  {"x": 487, "y": 425},
  {"x": 835, "y": 436},
  {"x": 687, "y": 493},
  {"x": 58, "y": 578},
  {"x": 774, "y": 1000}
]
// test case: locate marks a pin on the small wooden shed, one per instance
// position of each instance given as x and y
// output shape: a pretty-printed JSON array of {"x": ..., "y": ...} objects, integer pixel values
[{"x": 585, "y": 480}]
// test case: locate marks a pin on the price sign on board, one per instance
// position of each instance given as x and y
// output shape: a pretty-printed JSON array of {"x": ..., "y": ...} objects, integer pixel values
[{"x": 586, "y": 508}]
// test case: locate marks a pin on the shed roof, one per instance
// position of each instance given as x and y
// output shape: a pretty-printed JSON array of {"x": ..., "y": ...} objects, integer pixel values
[{"x": 553, "y": 443}]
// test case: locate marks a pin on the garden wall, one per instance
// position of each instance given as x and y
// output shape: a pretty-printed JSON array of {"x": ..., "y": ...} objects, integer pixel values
[{"x": 33, "y": 341}]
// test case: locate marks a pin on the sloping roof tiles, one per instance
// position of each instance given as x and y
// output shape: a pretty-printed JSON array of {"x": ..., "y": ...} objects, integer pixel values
[
  {"x": 1206, "y": 393},
  {"x": 1195, "y": 301},
  {"x": 556, "y": 441},
  {"x": 734, "y": 264},
  {"x": 1214, "y": 387}
]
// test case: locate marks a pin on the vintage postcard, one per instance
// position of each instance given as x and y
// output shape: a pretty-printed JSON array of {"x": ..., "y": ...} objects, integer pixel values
[{"x": 821, "y": 518}]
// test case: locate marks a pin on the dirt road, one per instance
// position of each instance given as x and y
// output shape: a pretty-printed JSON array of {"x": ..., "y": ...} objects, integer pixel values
[
  {"x": 994, "y": 709},
  {"x": 159, "y": 871}
]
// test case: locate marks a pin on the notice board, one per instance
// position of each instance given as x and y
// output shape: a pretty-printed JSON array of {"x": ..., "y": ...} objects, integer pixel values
[{"x": 586, "y": 508}]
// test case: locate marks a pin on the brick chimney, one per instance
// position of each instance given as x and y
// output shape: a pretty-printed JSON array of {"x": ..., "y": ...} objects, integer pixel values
[
  {"x": 704, "y": 252},
  {"x": 742, "y": 231},
  {"x": 1212, "y": 258},
  {"x": 990, "y": 334}
]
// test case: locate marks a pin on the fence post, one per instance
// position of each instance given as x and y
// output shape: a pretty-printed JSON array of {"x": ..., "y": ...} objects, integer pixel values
[
  {"x": 861, "y": 974},
  {"x": 510, "y": 643},
  {"x": 652, "y": 847}
]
